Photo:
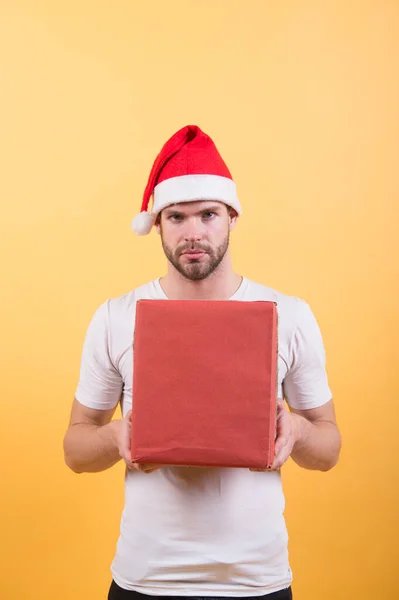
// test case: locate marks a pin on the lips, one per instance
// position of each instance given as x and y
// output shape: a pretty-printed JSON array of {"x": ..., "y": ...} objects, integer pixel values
[{"x": 194, "y": 254}]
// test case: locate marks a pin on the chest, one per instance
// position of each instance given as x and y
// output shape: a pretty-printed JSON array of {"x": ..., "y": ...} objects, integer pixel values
[{"x": 125, "y": 367}]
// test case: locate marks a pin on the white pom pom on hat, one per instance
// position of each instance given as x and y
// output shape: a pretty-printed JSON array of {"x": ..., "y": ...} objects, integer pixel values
[
  {"x": 142, "y": 223},
  {"x": 188, "y": 168}
]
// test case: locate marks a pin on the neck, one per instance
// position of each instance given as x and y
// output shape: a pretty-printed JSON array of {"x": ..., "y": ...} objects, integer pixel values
[{"x": 220, "y": 285}]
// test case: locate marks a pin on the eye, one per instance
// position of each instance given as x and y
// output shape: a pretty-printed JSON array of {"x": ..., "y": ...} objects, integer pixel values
[
  {"x": 175, "y": 218},
  {"x": 208, "y": 215}
]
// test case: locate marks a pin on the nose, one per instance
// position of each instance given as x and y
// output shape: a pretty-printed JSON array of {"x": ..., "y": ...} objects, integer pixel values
[
  {"x": 192, "y": 237},
  {"x": 192, "y": 232}
]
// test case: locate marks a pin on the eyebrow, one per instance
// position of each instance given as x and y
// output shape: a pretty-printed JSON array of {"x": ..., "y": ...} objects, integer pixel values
[{"x": 176, "y": 211}]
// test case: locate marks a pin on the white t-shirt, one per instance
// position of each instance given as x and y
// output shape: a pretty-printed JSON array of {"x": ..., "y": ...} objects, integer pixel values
[{"x": 197, "y": 531}]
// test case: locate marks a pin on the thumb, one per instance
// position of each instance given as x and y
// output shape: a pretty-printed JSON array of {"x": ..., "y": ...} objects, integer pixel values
[
  {"x": 125, "y": 437},
  {"x": 280, "y": 407}
]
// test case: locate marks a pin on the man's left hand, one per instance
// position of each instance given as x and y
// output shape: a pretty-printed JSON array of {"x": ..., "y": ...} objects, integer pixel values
[{"x": 287, "y": 435}]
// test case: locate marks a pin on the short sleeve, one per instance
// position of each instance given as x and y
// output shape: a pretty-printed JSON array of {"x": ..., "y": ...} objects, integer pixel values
[
  {"x": 100, "y": 384},
  {"x": 306, "y": 383}
]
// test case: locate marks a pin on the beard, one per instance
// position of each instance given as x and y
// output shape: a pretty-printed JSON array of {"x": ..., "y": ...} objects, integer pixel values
[{"x": 197, "y": 269}]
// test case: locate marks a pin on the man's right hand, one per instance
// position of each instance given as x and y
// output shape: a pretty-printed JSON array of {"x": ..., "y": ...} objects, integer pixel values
[{"x": 125, "y": 433}]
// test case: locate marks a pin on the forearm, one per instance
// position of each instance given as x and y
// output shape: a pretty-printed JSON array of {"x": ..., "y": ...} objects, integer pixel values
[
  {"x": 317, "y": 444},
  {"x": 90, "y": 448}
]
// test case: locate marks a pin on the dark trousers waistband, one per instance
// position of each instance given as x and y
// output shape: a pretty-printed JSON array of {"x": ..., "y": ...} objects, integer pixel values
[{"x": 117, "y": 593}]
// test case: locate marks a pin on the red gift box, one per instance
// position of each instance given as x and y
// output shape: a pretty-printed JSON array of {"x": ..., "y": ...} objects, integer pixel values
[{"x": 204, "y": 383}]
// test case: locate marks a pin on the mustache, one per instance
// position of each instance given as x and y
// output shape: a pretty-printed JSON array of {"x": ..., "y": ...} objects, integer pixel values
[{"x": 193, "y": 246}]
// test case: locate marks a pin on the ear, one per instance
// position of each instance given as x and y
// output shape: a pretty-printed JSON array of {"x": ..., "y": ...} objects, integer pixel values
[
  {"x": 233, "y": 217},
  {"x": 157, "y": 224}
]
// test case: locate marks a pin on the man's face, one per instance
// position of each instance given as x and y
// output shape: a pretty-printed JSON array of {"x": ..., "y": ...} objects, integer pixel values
[{"x": 195, "y": 236}]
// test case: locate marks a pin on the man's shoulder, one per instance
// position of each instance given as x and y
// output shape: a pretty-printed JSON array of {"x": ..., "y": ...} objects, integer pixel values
[
  {"x": 117, "y": 308},
  {"x": 259, "y": 291},
  {"x": 294, "y": 312},
  {"x": 127, "y": 301}
]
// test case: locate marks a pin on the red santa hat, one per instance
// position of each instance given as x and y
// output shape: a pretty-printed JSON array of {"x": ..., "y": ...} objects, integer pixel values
[{"x": 188, "y": 168}]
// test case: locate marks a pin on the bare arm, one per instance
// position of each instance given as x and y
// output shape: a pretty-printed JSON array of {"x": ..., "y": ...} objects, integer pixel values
[
  {"x": 318, "y": 440},
  {"x": 311, "y": 437},
  {"x": 94, "y": 442},
  {"x": 91, "y": 442}
]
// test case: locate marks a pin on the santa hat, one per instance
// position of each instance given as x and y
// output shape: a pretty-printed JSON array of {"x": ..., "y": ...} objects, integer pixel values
[{"x": 188, "y": 168}]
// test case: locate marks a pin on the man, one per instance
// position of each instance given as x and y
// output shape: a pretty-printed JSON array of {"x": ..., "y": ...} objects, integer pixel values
[{"x": 199, "y": 532}]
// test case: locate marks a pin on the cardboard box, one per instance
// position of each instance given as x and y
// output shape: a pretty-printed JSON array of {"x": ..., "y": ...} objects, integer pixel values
[{"x": 204, "y": 383}]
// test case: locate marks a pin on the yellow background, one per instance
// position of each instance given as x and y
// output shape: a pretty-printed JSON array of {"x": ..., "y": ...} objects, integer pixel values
[{"x": 302, "y": 99}]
